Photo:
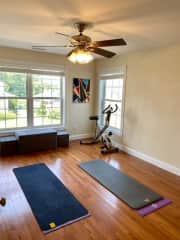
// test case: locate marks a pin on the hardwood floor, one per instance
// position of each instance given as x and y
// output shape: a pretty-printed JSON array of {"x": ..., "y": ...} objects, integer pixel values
[{"x": 110, "y": 218}]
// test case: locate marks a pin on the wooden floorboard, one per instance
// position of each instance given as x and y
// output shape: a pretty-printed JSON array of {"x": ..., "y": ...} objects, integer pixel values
[{"x": 110, "y": 218}]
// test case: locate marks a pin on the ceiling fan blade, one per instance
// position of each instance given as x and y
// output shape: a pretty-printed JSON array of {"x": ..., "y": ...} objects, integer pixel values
[
  {"x": 112, "y": 42},
  {"x": 102, "y": 52},
  {"x": 69, "y": 53},
  {"x": 63, "y": 34},
  {"x": 39, "y": 49},
  {"x": 49, "y": 46}
]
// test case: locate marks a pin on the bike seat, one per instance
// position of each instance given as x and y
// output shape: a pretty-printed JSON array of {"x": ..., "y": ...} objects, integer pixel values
[{"x": 94, "y": 118}]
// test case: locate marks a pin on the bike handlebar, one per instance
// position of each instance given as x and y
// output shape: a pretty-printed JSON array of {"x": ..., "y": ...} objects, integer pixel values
[
  {"x": 116, "y": 108},
  {"x": 104, "y": 111},
  {"x": 109, "y": 108}
]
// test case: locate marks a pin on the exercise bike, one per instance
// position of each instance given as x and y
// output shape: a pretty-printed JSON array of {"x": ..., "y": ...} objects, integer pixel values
[
  {"x": 99, "y": 135},
  {"x": 3, "y": 202},
  {"x": 107, "y": 146}
]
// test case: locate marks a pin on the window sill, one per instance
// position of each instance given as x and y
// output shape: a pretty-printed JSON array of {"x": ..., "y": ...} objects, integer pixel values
[{"x": 11, "y": 132}]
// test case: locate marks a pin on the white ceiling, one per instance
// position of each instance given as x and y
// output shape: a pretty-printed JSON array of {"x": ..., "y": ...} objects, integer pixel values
[{"x": 142, "y": 23}]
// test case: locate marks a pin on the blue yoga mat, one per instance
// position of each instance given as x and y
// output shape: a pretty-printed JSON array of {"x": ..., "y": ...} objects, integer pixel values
[{"x": 53, "y": 205}]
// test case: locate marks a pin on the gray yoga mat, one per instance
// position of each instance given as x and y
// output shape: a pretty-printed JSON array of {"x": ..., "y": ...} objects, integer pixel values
[{"x": 135, "y": 194}]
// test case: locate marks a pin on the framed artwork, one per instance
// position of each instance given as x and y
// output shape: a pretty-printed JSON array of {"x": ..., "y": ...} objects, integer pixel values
[{"x": 81, "y": 90}]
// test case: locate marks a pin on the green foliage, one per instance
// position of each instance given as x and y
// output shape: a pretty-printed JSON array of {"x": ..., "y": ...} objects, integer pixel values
[
  {"x": 15, "y": 83},
  {"x": 54, "y": 114},
  {"x": 42, "y": 111},
  {"x": 9, "y": 115},
  {"x": 12, "y": 105},
  {"x": 39, "y": 87}
]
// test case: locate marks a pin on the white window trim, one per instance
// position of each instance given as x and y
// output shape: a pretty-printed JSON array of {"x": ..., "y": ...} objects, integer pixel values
[
  {"x": 30, "y": 66},
  {"x": 29, "y": 97},
  {"x": 105, "y": 76}
]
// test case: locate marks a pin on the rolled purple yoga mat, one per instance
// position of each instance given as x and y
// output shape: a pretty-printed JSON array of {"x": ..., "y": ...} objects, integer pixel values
[{"x": 153, "y": 207}]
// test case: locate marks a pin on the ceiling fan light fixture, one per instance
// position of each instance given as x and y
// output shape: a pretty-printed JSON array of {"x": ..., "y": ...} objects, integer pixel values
[{"x": 81, "y": 56}]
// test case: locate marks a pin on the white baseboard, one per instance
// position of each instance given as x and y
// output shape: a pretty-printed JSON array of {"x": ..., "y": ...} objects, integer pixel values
[
  {"x": 166, "y": 166},
  {"x": 80, "y": 136}
]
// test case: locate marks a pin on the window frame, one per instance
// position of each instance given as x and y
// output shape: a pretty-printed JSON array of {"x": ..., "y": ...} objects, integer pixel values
[
  {"x": 102, "y": 88},
  {"x": 17, "y": 98},
  {"x": 60, "y": 98},
  {"x": 29, "y": 97}
]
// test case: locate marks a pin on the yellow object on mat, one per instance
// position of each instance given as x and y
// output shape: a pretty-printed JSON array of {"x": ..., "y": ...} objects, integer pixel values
[{"x": 52, "y": 225}]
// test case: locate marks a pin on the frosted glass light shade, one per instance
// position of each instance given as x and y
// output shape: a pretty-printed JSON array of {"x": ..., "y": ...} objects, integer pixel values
[{"x": 81, "y": 56}]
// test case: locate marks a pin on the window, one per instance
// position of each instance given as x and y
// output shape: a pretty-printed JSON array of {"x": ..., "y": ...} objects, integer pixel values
[
  {"x": 13, "y": 100},
  {"x": 30, "y": 99},
  {"x": 111, "y": 93},
  {"x": 46, "y": 100}
]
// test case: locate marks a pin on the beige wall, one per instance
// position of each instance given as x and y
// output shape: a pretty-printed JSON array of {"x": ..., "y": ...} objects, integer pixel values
[
  {"x": 77, "y": 114},
  {"x": 152, "y": 112}
]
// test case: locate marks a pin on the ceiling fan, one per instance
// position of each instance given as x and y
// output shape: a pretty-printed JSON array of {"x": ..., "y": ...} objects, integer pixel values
[{"x": 83, "y": 45}]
